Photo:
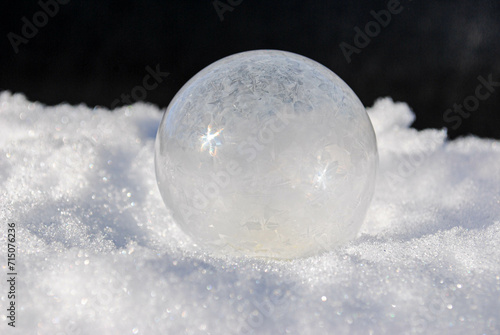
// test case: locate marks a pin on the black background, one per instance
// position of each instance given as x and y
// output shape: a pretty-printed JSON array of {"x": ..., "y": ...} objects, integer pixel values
[{"x": 430, "y": 55}]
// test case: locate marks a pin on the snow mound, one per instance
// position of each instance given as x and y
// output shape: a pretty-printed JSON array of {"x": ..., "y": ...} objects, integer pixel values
[{"x": 98, "y": 253}]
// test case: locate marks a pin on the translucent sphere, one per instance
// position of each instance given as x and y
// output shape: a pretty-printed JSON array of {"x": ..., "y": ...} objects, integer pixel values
[{"x": 267, "y": 153}]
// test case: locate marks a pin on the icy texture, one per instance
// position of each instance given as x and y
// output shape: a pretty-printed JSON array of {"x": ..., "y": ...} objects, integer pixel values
[
  {"x": 267, "y": 153},
  {"x": 98, "y": 254}
]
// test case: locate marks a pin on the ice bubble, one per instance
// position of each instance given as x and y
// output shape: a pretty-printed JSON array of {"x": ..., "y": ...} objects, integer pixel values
[{"x": 267, "y": 153}]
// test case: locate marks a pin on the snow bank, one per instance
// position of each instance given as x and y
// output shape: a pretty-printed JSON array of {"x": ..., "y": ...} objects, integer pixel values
[{"x": 99, "y": 254}]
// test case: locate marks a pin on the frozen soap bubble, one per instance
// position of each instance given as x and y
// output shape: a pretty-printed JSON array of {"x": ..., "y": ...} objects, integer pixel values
[{"x": 267, "y": 153}]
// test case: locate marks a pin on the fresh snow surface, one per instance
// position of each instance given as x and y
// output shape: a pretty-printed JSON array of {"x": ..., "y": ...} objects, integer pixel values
[{"x": 98, "y": 253}]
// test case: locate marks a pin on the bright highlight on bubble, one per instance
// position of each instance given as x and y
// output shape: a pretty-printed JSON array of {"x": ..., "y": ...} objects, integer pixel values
[{"x": 267, "y": 153}]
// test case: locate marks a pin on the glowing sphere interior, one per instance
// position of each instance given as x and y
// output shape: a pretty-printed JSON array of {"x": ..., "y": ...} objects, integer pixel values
[{"x": 267, "y": 153}]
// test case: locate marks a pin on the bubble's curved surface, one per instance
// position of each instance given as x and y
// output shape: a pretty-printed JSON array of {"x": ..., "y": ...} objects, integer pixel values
[{"x": 267, "y": 153}]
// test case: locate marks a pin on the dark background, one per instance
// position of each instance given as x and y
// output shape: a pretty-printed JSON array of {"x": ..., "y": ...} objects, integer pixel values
[{"x": 430, "y": 55}]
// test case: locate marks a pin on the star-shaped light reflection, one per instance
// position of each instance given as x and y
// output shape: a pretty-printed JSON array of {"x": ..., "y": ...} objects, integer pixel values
[{"x": 211, "y": 141}]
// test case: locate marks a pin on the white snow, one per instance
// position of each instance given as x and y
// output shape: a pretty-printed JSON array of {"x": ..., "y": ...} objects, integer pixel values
[{"x": 99, "y": 254}]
